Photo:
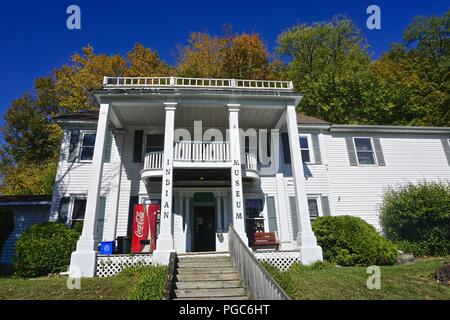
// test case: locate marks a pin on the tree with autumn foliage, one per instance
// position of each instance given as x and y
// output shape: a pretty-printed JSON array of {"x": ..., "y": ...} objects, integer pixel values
[{"x": 240, "y": 56}]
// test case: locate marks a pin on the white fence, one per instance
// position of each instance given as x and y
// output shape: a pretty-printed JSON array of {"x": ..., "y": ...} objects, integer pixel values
[
  {"x": 153, "y": 160},
  {"x": 108, "y": 266},
  {"x": 251, "y": 162},
  {"x": 282, "y": 260},
  {"x": 259, "y": 282},
  {"x": 164, "y": 82},
  {"x": 199, "y": 151}
]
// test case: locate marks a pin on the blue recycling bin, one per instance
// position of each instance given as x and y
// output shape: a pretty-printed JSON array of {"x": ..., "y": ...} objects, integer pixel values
[{"x": 107, "y": 247}]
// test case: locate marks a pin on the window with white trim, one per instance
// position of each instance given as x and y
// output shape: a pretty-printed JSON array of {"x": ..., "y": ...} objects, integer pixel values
[
  {"x": 313, "y": 206},
  {"x": 87, "y": 145},
  {"x": 305, "y": 149},
  {"x": 364, "y": 151}
]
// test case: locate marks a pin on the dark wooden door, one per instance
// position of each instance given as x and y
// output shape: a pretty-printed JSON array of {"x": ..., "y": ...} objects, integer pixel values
[{"x": 204, "y": 229}]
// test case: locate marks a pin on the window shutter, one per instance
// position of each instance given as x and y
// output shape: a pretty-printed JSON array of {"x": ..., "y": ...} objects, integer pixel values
[
  {"x": 286, "y": 150},
  {"x": 63, "y": 213},
  {"x": 271, "y": 214},
  {"x": 138, "y": 140},
  {"x": 101, "y": 219},
  {"x": 294, "y": 221},
  {"x": 446, "y": 146},
  {"x": 325, "y": 205},
  {"x": 351, "y": 151},
  {"x": 108, "y": 146},
  {"x": 74, "y": 145},
  {"x": 378, "y": 151},
  {"x": 133, "y": 200},
  {"x": 316, "y": 148}
]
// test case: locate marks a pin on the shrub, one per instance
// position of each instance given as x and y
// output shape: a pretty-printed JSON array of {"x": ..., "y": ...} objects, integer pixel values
[
  {"x": 44, "y": 248},
  {"x": 78, "y": 227},
  {"x": 6, "y": 225},
  {"x": 151, "y": 284},
  {"x": 350, "y": 241},
  {"x": 417, "y": 217}
]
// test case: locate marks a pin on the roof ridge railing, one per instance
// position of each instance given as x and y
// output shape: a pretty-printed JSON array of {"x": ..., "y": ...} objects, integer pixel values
[{"x": 208, "y": 83}]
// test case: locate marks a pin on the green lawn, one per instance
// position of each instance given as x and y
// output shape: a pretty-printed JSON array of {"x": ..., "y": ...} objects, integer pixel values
[
  {"x": 397, "y": 282},
  {"x": 127, "y": 286}
]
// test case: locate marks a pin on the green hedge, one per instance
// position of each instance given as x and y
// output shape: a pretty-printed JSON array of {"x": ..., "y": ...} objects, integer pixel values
[
  {"x": 350, "y": 241},
  {"x": 6, "y": 225},
  {"x": 151, "y": 283},
  {"x": 44, "y": 249},
  {"x": 417, "y": 217}
]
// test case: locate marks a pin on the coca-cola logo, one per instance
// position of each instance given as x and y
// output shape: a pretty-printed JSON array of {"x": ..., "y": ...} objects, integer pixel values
[{"x": 139, "y": 232}]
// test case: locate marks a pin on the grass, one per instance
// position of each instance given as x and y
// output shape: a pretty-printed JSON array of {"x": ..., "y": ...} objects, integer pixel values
[
  {"x": 397, "y": 282},
  {"x": 137, "y": 283}
]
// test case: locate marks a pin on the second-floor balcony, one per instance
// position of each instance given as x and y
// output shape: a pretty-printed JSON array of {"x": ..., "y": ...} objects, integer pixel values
[{"x": 198, "y": 154}]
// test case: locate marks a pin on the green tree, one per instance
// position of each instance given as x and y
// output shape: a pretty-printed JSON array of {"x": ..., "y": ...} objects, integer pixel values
[{"x": 328, "y": 62}]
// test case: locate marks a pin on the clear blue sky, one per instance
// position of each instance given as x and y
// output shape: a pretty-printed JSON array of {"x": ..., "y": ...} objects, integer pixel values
[{"x": 35, "y": 39}]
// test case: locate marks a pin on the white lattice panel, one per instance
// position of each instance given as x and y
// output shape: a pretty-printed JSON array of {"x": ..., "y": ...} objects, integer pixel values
[
  {"x": 111, "y": 265},
  {"x": 280, "y": 259}
]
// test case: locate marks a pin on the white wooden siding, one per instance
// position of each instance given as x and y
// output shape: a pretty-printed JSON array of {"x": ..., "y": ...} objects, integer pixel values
[{"x": 358, "y": 190}]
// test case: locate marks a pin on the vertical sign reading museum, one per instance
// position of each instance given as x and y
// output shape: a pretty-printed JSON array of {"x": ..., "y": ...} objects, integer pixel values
[{"x": 236, "y": 174}]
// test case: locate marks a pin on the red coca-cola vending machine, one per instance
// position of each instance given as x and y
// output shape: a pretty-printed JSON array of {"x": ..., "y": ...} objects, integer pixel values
[{"x": 146, "y": 219}]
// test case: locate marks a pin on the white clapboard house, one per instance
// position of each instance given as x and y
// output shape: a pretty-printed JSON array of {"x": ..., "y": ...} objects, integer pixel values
[{"x": 220, "y": 152}]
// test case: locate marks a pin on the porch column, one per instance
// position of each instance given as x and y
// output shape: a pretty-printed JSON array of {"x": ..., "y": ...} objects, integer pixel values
[
  {"x": 306, "y": 240},
  {"x": 115, "y": 188},
  {"x": 164, "y": 244},
  {"x": 83, "y": 260},
  {"x": 236, "y": 173}
]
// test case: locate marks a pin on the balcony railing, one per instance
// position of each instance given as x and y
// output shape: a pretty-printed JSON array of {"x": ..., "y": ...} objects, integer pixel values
[
  {"x": 177, "y": 82},
  {"x": 153, "y": 160},
  {"x": 251, "y": 162},
  {"x": 199, "y": 151}
]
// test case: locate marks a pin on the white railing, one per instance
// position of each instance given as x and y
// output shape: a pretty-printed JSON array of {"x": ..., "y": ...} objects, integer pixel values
[
  {"x": 153, "y": 160},
  {"x": 200, "y": 151},
  {"x": 164, "y": 82},
  {"x": 259, "y": 282},
  {"x": 251, "y": 162}
]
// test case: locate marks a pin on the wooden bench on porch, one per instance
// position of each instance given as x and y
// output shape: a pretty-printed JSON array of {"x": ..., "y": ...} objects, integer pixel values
[{"x": 263, "y": 240}]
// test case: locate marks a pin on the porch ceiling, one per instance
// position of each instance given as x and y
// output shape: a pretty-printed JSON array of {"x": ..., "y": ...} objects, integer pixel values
[{"x": 214, "y": 116}]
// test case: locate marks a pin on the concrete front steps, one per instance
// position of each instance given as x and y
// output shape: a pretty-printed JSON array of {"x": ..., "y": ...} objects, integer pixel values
[{"x": 204, "y": 276}]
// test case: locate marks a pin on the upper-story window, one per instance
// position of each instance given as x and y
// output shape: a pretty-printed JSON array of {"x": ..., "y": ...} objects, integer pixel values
[
  {"x": 87, "y": 146},
  {"x": 154, "y": 143},
  {"x": 364, "y": 151},
  {"x": 305, "y": 148}
]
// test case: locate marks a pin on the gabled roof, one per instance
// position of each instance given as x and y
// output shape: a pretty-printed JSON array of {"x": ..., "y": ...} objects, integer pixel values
[{"x": 91, "y": 115}]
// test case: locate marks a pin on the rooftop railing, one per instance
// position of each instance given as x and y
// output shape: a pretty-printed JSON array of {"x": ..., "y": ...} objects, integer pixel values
[{"x": 200, "y": 83}]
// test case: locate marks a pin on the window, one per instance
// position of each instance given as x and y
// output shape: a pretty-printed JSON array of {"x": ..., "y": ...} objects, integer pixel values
[
  {"x": 305, "y": 149},
  {"x": 313, "y": 206},
  {"x": 155, "y": 143},
  {"x": 78, "y": 210},
  {"x": 364, "y": 151},
  {"x": 254, "y": 216},
  {"x": 87, "y": 146}
]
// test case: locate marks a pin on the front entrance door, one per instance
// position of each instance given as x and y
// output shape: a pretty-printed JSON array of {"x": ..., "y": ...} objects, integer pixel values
[{"x": 204, "y": 228}]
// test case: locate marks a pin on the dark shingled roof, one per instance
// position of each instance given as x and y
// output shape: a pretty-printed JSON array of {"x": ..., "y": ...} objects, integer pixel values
[
  {"x": 28, "y": 197},
  {"x": 93, "y": 115}
]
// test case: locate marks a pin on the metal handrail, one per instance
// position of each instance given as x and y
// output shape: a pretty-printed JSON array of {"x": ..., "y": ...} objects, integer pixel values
[{"x": 259, "y": 282}]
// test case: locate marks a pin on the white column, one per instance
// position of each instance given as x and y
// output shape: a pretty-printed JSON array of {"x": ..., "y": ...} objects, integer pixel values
[
  {"x": 283, "y": 233},
  {"x": 236, "y": 172},
  {"x": 114, "y": 192},
  {"x": 164, "y": 244},
  {"x": 83, "y": 260},
  {"x": 306, "y": 240}
]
